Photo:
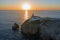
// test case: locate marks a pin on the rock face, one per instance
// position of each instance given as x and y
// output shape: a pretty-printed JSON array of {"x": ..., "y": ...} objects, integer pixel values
[
  {"x": 48, "y": 28},
  {"x": 15, "y": 27},
  {"x": 31, "y": 26}
]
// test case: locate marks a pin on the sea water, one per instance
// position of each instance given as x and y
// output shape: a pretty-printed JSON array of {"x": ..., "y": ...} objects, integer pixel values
[{"x": 8, "y": 18}]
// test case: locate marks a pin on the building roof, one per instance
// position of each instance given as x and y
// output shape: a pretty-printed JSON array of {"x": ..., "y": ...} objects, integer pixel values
[{"x": 34, "y": 18}]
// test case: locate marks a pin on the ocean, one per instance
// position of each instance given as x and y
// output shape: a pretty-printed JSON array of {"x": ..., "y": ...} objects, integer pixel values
[{"x": 8, "y": 18}]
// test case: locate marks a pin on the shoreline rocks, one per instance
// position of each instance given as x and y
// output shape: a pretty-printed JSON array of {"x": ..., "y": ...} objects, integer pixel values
[{"x": 49, "y": 29}]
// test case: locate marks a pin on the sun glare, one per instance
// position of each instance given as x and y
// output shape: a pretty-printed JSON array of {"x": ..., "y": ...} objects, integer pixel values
[{"x": 26, "y": 6}]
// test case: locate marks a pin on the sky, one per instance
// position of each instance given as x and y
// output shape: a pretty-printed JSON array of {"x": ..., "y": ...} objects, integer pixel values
[{"x": 35, "y": 4}]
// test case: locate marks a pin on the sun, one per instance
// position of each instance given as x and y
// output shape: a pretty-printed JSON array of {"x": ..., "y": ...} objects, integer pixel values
[{"x": 26, "y": 6}]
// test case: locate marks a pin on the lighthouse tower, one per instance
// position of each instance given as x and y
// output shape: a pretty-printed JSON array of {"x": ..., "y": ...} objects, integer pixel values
[{"x": 32, "y": 15}]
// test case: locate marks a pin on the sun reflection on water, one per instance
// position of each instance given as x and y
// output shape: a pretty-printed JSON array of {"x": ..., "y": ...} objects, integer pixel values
[{"x": 26, "y": 15}]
